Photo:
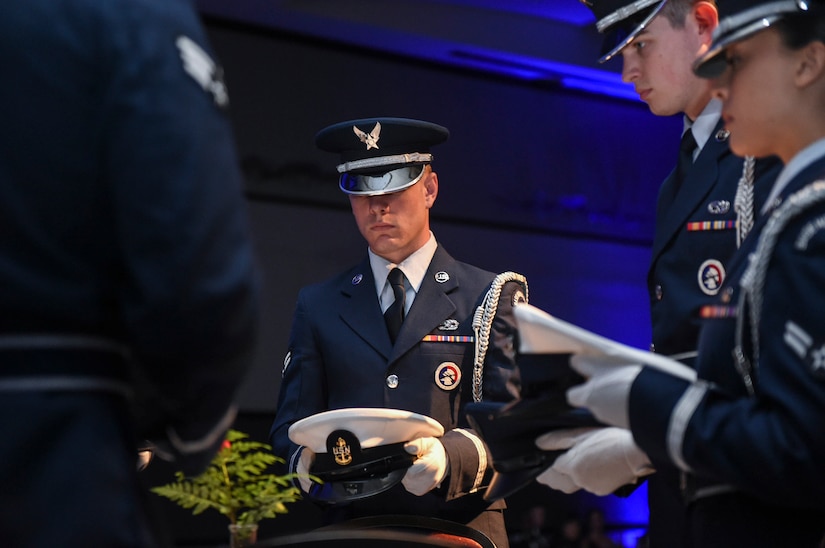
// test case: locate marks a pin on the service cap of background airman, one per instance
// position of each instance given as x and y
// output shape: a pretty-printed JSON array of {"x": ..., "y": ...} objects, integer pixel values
[
  {"x": 741, "y": 19},
  {"x": 381, "y": 155},
  {"x": 621, "y": 21},
  {"x": 359, "y": 452}
]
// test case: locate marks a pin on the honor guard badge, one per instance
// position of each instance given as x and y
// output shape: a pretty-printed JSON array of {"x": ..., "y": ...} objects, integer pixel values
[
  {"x": 719, "y": 207},
  {"x": 450, "y": 324},
  {"x": 448, "y": 376},
  {"x": 711, "y": 275}
]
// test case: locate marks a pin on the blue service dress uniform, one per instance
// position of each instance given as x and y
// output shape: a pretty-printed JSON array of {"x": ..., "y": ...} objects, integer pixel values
[
  {"x": 694, "y": 239},
  {"x": 124, "y": 248},
  {"x": 750, "y": 433},
  {"x": 340, "y": 356}
]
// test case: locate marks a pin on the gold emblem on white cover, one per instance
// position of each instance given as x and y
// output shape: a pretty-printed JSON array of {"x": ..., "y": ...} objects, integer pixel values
[{"x": 342, "y": 452}]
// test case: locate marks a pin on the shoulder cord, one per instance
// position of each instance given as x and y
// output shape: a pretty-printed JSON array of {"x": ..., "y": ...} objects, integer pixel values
[
  {"x": 483, "y": 324},
  {"x": 753, "y": 280},
  {"x": 743, "y": 202}
]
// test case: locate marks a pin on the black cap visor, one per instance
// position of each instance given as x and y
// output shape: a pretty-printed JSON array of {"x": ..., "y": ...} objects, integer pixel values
[
  {"x": 387, "y": 182},
  {"x": 714, "y": 62},
  {"x": 620, "y": 35}
]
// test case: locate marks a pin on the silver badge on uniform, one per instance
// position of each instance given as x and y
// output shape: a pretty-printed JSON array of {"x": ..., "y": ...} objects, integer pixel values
[
  {"x": 448, "y": 376},
  {"x": 719, "y": 207},
  {"x": 448, "y": 325},
  {"x": 710, "y": 276},
  {"x": 442, "y": 277},
  {"x": 722, "y": 135},
  {"x": 357, "y": 279}
]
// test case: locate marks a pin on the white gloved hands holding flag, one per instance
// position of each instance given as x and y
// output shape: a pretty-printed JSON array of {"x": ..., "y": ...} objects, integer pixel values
[
  {"x": 598, "y": 460},
  {"x": 607, "y": 389}
]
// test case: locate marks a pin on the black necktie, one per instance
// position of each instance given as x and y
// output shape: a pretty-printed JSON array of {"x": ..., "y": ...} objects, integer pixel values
[
  {"x": 394, "y": 315},
  {"x": 672, "y": 185}
]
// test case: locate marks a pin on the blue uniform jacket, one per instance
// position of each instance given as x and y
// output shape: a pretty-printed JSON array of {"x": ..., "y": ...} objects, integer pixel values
[
  {"x": 340, "y": 356},
  {"x": 122, "y": 225},
  {"x": 694, "y": 240},
  {"x": 683, "y": 248},
  {"x": 762, "y": 452}
]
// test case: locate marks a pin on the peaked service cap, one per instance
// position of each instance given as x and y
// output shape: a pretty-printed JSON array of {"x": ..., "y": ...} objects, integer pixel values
[
  {"x": 381, "y": 155},
  {"x": 741, "y": 19},
  {"x": 621, "y": 21},
  {"x": 359, "y": 452}
]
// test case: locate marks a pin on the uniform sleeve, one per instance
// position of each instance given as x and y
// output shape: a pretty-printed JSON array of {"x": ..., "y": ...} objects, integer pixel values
[
  {"x": 771, "y": 444},
  {"x": 189, "y": 285},
  {"x": 471, "y": 464},
  {"x": 303, "y": 385}
]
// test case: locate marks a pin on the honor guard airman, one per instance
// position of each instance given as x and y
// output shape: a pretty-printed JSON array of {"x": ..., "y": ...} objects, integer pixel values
[
  {"x": 747, "y": 433},
  {"x": 704, "y": 207},
  {"x": 408, "y": 328}
]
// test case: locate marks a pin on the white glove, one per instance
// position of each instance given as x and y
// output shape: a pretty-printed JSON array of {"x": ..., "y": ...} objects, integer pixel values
[
  {"x": 302, "y": 468},
  {"x": 599, "y": 460},
  {"x": 607, "y": 388},
  {"x": 429, "y": 469}
]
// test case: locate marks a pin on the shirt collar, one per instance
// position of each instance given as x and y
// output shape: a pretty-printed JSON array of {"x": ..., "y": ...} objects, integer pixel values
[
  {"x": 414, "y": 267},
  {"x": 803, "y": 159},
  {"x": 704, "y": 124}
]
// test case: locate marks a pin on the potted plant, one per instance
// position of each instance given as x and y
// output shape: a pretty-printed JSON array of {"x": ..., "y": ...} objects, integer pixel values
[{"x": 237, "y": 485}]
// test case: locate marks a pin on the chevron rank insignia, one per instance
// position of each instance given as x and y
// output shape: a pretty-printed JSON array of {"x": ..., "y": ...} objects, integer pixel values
[{"x": 200, "y": 66}]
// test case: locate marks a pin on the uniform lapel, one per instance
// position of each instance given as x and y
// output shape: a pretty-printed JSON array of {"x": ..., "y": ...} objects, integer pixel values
[
  {"x": 432, "y": 305},
  {"x": 361, "y": 310},
  {"x": 697, "y": 185}
]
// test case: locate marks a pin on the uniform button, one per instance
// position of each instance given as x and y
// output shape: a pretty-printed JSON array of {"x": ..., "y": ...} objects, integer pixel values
[
  {"x": 659, "y": 292},
  {"x": 392, "y": 381}
]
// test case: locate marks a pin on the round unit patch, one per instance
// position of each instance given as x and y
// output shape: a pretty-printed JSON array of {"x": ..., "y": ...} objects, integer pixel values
[
  {"x": 448, "y": 376},
  {"x": 710, "y": 276}
]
